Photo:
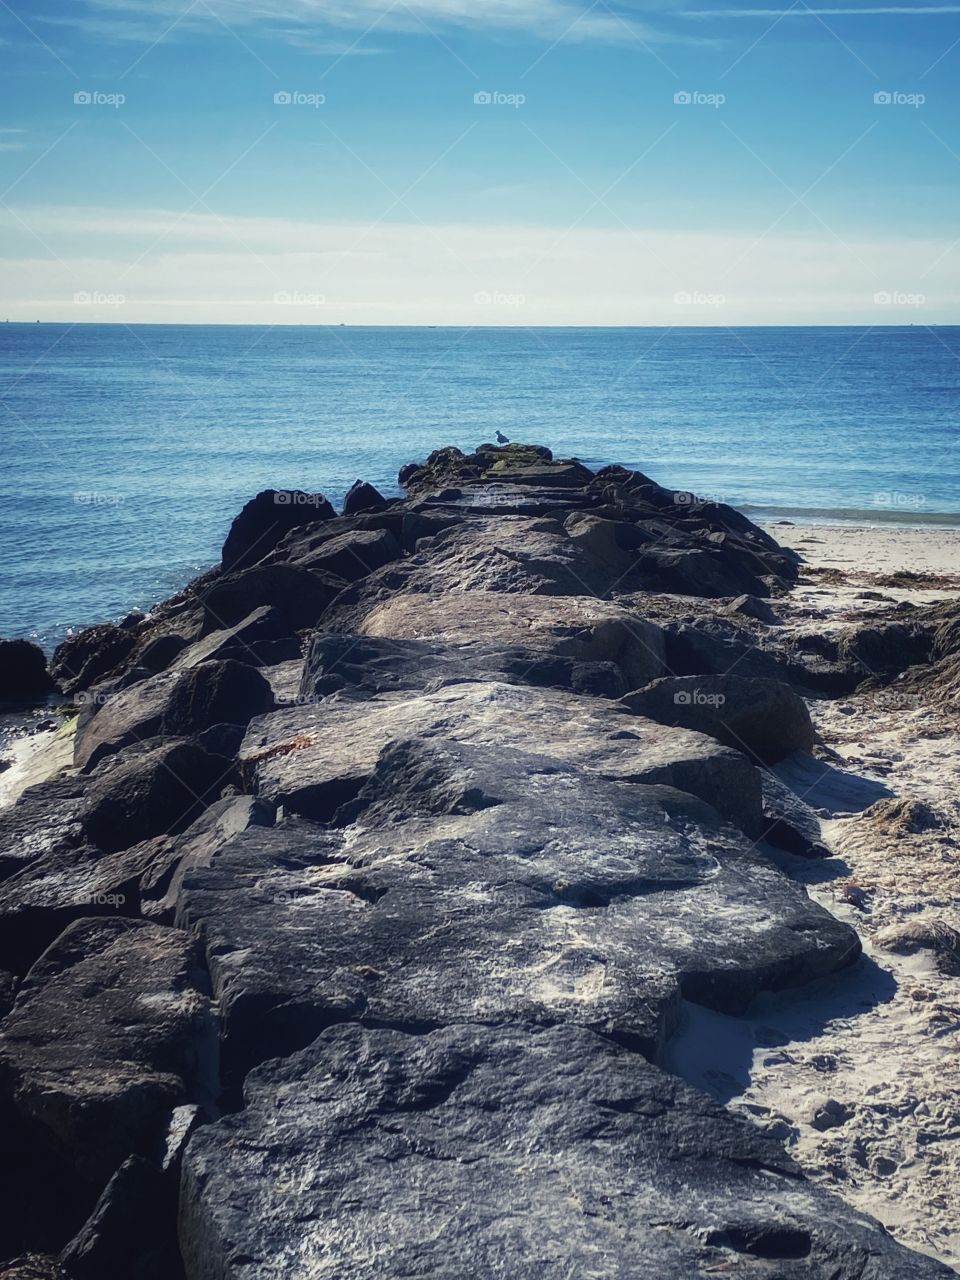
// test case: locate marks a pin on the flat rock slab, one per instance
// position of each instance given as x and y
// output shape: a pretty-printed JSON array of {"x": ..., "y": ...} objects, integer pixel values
[
  {"x": 492, "y": 886},
  {"x": 368, "y": 665},
  {"x": 311, "y": 758},
  {"x": 45, "y": 820},
  {"x": 580, "y": 627},
  {"x": 376, "y": 1155},
  {"x": 110, "y": 1032}
]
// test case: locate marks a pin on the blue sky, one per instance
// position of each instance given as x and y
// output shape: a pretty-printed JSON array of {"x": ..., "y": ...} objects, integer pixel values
[{"x": 178, "y": 189}]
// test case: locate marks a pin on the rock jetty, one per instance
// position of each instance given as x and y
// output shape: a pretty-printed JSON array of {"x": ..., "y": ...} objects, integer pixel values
[{"x": 351, "y": 945}]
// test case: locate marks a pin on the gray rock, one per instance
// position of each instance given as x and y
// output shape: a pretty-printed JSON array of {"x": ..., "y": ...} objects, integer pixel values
[
  {"x": 23, "y": 672},
  {"x": 110, "y": 1031},
  {"x": 370, "y": 665},
  {"x": 44, "y": 820},
  {"x": 154, "y": 789},
  {"x": 362, "y": 497},
  {"x": 301, "y": 595},
  {"x": 312, "y": 758},
  {"x": 748, "y": 606},
  {"x": 263, "y": 638},
  {"x": 90, "y": 655},
  {"x": 483, "y": 1152},
  {"x": 351, "y": 556},
  {"x": 476, "y": 884},
  {"x": 764, "y": 718},
  {"x": 132, "y": 1230},
  {"x": 578, "y": 627},
  {"x": 172, "y": 704},
  {"x": 788, "y": 821},
  {"x": 265, "y": 519}
]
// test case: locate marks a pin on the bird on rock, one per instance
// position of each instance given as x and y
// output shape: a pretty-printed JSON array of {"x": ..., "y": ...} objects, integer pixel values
[{"x": 501, "y": 438}]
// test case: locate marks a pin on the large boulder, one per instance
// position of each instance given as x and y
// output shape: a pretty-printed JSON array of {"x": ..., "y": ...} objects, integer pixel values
[
  {"x": 362, "y": 497},
  {"x": 23, "y": 672},
  {"x": 301, "y": 595},
  {"x": 579, "y": 627},
  {"x": 350, "y": 556},
  {"x": 370, "y": 665},
  {"x": 311, "y": 758},
  {"x": 156, "y": 788},
  {"x": 110, "y": 1032},
  {"x": 262, "y": 638},
  {"x": 45, "y": 820},
  {"x": 471, "y": 1151},
  {"x": 764, "y": 718},
  {"x": 90, "y": 655},
  {"x": 172, "y": 704},
  {"x": 265, "y": 519},
  {"x": 477, "y": 884}
]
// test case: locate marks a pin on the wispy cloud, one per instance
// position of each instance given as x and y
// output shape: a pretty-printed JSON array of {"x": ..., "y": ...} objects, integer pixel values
[
  {"x": 304, "y": 21},
  {"x": 12, "y": 139},
  {"x": 807, "y": 11}
]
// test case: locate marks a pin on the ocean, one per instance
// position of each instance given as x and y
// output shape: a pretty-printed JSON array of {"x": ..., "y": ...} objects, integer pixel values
[{"x": 129, "y": 449}]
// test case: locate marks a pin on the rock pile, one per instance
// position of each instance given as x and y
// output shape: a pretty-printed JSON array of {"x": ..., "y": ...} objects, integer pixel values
[{"x": 352, "y": 943}]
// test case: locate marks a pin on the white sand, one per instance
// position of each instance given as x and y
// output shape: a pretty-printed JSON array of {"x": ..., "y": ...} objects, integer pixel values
[{"x": 882, "y": 1040}]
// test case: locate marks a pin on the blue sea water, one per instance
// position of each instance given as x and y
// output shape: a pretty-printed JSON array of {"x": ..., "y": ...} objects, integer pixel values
[{"x": 128, "y": 449}]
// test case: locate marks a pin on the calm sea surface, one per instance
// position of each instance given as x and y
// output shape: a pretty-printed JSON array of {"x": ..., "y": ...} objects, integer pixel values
[{"x": 127, "y": 450}]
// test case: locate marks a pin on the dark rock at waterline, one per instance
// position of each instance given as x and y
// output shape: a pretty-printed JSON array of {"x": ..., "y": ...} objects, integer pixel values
[
  {"x": 172, "y": 704},
  {"x": 487, "y": 886},
  {"x": 156, "y": 788},
  {"x": 300, "y": 594},
  {"x": 159, "y": 652},
  {"x": 362, "y": 497},
  {"x": 23, "y": 672},
  {"x": 765, "y": 718},
  {"x": 456, "y": 1151},
  {"x": 264, "y": 521},
  {"x": 111, "y": 1030},
  {"x": 89, "y": 656},
  {"x": 450, "y": 466}
]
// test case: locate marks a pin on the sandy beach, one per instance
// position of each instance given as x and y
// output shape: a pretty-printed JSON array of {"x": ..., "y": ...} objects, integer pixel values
[{"x": 861, "y": 1073}]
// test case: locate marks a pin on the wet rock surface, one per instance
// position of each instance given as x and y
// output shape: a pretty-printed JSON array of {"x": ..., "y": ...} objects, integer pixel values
[{"x": 393, "y": 837}]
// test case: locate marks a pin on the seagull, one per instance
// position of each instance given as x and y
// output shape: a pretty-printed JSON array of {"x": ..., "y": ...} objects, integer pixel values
[{"x": 501, "y": 438}]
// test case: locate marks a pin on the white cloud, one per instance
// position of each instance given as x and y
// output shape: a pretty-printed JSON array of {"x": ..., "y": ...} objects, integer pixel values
[
  {"x": 232, "y": 271},
  {"x": 296, "y": 20}
]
